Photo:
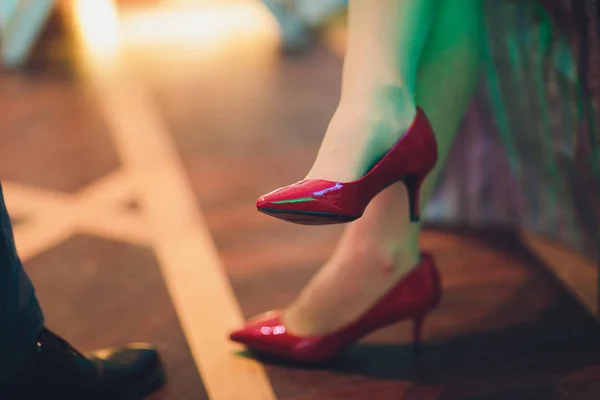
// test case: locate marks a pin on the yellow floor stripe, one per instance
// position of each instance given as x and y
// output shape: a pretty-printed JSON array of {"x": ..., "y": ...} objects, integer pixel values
[
  {"x": 50, "y": 217},
  {"x": 198, "y": 286},
  {"x": 200, "y": 290}
]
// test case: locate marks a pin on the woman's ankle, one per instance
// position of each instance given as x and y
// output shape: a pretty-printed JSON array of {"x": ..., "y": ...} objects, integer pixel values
[
  {"x": 359, "y": 134},
  {"x": 391, "y": 103},
  {"x": 355, "y": 278}
]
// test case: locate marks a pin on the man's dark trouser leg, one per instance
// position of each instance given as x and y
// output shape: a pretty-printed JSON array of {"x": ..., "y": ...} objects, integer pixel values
[{"x": 21, "y": 318}]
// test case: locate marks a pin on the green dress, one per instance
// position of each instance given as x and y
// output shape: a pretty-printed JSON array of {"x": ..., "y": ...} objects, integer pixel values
[{"x": 528, "y": 151}]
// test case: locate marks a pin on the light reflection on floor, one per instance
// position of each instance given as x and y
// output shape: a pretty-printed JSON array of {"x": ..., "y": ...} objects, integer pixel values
[{"x": 124, "y": 49}]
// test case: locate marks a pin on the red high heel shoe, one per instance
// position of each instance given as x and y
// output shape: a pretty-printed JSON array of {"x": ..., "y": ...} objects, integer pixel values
[
  {"x": 413, "y": 297},
  {"x": 321, "y": 202}
]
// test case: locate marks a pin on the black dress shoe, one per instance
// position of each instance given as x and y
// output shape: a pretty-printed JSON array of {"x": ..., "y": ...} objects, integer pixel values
[{"x": 56, "y": 370}]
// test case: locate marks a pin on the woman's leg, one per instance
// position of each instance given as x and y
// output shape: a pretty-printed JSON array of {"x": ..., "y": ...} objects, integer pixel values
[
  {"x": 377, "y": 105},
  {"x": 377, "y": 250}
]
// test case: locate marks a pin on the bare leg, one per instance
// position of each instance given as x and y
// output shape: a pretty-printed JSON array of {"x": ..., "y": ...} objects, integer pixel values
[
  {"x": 377, "y": 105},
  {"x": 377, "y": 250}
]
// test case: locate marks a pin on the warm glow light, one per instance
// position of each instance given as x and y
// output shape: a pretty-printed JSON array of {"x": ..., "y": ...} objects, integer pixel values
[
  {"x": 180, "y": 29},
  {"x": 139, "y": 35},
  {"x": 98, "y": 24},
  {"x": 204, "y": 26}
]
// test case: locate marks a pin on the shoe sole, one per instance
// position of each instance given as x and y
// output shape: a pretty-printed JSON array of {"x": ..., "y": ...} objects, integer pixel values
[{"x": 309, "y": 217}]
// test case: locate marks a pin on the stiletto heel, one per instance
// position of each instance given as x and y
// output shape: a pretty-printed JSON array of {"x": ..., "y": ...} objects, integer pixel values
[
  {"x": 321, "y": 202},
  {"x": 413, "y": 188},
  {"x": 413, "y": 297}
]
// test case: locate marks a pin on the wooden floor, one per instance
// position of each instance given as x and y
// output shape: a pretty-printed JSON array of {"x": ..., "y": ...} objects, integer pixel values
[{"x": 242, "y": 124}]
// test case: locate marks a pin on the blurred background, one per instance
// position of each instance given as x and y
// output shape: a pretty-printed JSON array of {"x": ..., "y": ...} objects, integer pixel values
[{"x": 136, "y": 135}]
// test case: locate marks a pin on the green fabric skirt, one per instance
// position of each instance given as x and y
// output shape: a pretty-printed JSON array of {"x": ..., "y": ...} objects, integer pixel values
[{"x": 528, "y": 153}]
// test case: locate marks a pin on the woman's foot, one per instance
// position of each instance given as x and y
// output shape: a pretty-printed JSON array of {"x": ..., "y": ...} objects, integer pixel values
[
  {"x": 361, "y": 132},
  {"x": 412, "y": 298},
  {"x": 367, "y": 263},
  {"x": 323, "y": 201}
]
